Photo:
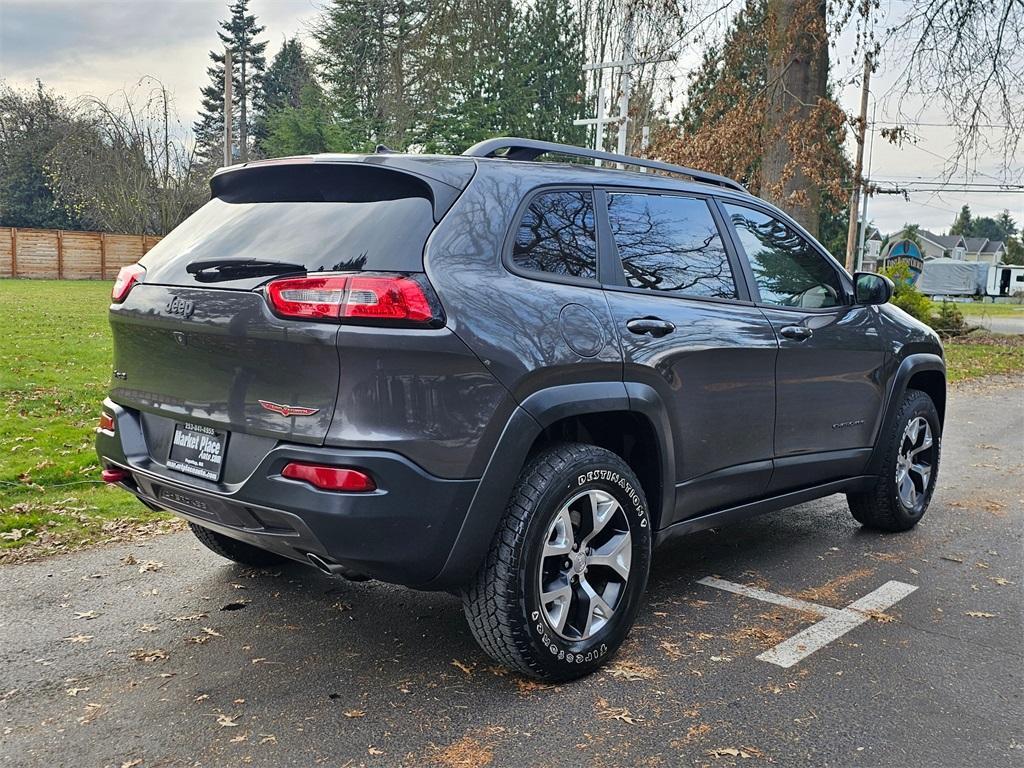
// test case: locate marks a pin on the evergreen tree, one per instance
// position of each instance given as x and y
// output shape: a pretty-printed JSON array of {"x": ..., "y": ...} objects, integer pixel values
[
  {"x": 307, "y": 128},
  {"x": 1006, "y": 223},
  {"x": 476, "y": 67},
  {"x": 963, "y": 225},
  {"x": 368, "y": 60},
  {"x": 552, "y": 38},
  {"x": 238, "y": 32},
  {"x": 289, "y": 73}
]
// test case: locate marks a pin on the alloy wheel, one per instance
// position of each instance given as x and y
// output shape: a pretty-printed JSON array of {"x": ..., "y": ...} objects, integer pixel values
[
  {"x": 584, "y": 568},
  {"x": 914, "y": 461}
]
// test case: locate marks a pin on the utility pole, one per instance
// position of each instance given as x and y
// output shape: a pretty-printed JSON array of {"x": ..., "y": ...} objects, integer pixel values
[
  {"x": 228, "y": 106},
  {"x": 858, "y": 181},
  {"x": 859, "y": 263}
]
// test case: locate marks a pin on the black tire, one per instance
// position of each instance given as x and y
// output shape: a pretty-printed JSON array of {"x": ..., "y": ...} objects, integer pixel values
[
  {"x": 882, "y": 508},
  {"x": 237, "y": 551},
  {"x": 503, "y": 604}
]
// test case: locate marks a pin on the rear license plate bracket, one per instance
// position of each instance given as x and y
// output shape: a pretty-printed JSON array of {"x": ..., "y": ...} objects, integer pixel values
[{"x": 197, "y": 450}]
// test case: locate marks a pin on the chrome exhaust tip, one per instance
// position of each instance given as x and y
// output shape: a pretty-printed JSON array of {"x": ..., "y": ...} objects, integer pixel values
[{"x": 335, "y": 569}]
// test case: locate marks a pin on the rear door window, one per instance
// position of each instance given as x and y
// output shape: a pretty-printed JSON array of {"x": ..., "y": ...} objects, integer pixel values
[
  {"x": 557, "y": 235},
  {"x": 670, "y": 244}
]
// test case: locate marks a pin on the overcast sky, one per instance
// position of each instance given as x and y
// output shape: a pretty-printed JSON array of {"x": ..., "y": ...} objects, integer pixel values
[{"x": 98, "y": 47}]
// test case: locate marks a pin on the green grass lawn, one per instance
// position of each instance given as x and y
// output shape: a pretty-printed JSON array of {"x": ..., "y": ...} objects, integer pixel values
[
  {"x": 55, "y": 353},
  {"x": 977, "y": 308}
]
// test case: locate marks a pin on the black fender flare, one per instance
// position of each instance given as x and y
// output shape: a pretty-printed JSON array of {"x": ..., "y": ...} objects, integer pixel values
[
  {"x": 537, "y": 412},
  {"x": 911, "y": 364}
]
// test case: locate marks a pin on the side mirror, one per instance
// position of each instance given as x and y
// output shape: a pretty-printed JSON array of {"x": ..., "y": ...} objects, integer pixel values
[{"x": 872, "y": 288}]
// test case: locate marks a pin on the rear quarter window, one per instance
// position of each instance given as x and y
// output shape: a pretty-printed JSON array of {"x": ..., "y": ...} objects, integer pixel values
[{"x": 557, "y": 235}]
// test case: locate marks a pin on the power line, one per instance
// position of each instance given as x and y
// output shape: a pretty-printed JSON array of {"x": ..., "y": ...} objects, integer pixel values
[{"x": 917, "y": 124}]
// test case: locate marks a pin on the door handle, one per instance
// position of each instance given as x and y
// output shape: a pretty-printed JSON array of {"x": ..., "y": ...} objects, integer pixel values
[
  {"x": 654, "y": 326},
  {"x": 798, "y": 332}
]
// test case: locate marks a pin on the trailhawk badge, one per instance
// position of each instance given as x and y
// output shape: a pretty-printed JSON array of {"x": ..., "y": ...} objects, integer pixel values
[{"x": 288, "y": 410}]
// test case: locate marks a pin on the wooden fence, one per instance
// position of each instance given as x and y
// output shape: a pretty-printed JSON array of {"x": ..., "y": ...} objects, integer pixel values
[{"x": 58, "y": 255}]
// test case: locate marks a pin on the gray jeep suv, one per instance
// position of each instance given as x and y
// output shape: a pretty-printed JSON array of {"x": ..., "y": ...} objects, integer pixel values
[{"x": 507, "y": 378}]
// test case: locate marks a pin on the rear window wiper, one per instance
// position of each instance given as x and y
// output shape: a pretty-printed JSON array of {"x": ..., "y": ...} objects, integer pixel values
[{"x": 212, "y": 270}]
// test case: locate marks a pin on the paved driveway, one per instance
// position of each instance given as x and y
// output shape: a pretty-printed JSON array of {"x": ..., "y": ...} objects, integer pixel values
[
  {"x": 999, "y": 323},
  {"x": 165, "y": 655}
]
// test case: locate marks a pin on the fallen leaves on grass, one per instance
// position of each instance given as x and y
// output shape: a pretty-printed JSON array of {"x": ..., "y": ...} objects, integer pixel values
[{"x": 16, "y": 534}]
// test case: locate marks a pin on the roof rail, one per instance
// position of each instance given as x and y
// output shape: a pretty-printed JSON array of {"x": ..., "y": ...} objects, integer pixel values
[{"x": 531, "y": 149}]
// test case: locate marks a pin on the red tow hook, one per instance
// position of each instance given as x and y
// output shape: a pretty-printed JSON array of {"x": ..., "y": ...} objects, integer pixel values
[{"x": 114, "y": 475}]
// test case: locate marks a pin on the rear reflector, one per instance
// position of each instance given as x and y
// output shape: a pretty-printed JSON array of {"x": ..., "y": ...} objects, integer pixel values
[
  {"x": 330, "y": 478},
  {"x": 106, "y": 422},
  {"x": 126, "y": 278},
  {"x": 370, "y": 298},
  {"x": 114, "y": 475}
]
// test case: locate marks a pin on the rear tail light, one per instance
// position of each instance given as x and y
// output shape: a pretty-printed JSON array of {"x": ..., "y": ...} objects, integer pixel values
[
  {"x": 330, "y": 478},
  {"x": 114, "y": 475},
  {"x": 106, "y": 422},
  {"x": 127, "y": 277},
  {"x": 371, "y": 299}
]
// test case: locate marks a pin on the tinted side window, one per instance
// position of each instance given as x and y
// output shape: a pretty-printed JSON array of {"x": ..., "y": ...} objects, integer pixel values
[
  {"x": 787, "y": 269},
  {"x": 670, "y": 243},
  {"x": 557, "y": 235}
]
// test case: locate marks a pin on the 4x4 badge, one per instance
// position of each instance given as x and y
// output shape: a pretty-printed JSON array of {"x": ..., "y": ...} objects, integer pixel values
[{"x": 288, "y": 410}]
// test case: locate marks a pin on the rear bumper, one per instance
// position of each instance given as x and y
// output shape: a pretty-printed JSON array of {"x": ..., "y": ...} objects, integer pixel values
[{"x": 402, "y": 533}]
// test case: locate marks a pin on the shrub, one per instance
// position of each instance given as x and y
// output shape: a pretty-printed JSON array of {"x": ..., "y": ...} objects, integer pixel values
[
  {"x": 950, "y": 320},
  {"x": 907, "y": 297}
]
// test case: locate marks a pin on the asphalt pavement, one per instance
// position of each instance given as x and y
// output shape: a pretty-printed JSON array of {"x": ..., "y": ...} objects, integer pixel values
[
  {"x": 998, "y": 323},
  {"x": 161, "y": 654}
]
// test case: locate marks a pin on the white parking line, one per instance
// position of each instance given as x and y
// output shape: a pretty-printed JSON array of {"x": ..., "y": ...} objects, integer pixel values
[{"x": 834, "y": 624}]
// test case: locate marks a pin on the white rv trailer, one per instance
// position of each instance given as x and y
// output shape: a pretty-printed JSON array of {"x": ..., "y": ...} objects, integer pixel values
[{"x": 1005, "y": 280}]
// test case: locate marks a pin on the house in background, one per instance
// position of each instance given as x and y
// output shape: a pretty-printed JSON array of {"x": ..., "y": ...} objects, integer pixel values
[
  {"x": 870, "y": 258},
  {"x": 942, "y": 246},
  {"x": 983, "y": 249}
]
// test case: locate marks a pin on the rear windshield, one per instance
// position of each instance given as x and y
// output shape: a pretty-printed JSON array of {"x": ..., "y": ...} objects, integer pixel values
[{"x": 342, "y": 225}]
